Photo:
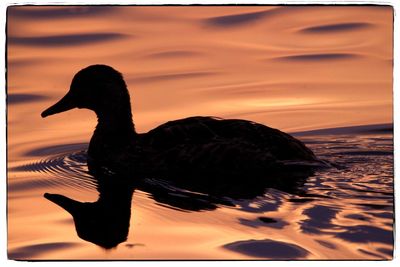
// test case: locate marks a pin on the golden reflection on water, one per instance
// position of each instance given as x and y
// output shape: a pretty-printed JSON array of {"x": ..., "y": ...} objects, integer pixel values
[{"x": 290, "y": 67}]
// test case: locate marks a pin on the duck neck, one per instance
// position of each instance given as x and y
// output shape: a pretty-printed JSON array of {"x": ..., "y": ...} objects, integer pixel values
[
  {"x": 115, "y": 123},
  {"x": 116, "y": 127},
  {"x": 114, "y": 132}
]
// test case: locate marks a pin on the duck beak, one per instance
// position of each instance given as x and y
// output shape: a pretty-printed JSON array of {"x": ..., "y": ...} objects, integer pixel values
[
  {"x": 68, "y": 204},
  {"x": 66, "y": 103}
]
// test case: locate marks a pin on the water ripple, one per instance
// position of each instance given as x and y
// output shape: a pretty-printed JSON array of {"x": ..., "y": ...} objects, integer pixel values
[
  {"x": 68, "y": 170},
  {"x": 268, "y": 248},
  {"x": 47, "y": 13},
  {"x": 237, "y": 19},
  {"x": 318, "y": 57},
  {"x": 27, "y": 252},
  {"x": 65, "y": 39},
  {"x": 23, "y": 98},
  {"x": 338, "y": 27}
]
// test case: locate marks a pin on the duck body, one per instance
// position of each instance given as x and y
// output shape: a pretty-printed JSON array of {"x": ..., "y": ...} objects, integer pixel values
[{"x": 200, "y": 146}]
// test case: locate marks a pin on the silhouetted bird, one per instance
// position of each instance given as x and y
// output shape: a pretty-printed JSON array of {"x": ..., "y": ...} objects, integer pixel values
[{"x": 205, "y": 147}]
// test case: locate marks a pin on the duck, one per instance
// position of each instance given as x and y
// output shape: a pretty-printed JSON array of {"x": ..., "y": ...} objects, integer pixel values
[{"x": 201, "y": 146}]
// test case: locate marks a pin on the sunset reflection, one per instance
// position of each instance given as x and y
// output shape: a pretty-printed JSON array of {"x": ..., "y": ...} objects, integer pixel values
[{"x": 295, "y": 68}]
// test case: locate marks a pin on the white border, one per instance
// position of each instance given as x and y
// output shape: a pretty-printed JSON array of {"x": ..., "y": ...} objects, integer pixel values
[
  {"x": 186, "y": 2},
  {"x": 3, "y": 230}
]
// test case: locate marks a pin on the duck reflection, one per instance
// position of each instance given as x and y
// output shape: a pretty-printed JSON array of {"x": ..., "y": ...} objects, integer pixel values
[{"x": 106, "y": 221}]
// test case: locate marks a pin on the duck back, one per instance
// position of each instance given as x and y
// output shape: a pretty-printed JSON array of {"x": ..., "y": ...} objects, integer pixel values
[
  {"x": 213, "y": 146},
  {"x": 243, "y": 134}
]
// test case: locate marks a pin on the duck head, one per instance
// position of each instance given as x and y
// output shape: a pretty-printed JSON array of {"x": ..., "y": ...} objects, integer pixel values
[{"x": 99, "y": 88}]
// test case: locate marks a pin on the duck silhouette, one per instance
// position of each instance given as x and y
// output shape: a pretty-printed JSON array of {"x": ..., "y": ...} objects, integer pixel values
[{"x": 210, "y": 148}]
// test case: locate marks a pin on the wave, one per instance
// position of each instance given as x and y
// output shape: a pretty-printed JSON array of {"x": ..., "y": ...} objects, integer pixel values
[
  {"x": 66, "y": 39},
  {"x": 338, "y": 27},
  {"x": 384, "y": 128}
]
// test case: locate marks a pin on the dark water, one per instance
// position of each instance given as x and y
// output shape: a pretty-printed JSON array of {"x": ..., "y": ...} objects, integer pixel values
[{"x": 342, "y": 212}]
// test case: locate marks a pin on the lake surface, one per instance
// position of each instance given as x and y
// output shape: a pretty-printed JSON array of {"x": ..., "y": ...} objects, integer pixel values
[{"x": 298, "y": 68}]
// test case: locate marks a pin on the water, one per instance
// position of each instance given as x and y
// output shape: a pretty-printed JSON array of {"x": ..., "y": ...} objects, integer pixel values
[
  {"x": 293, "y": 68},
  {"x": 338, "y": 213}
]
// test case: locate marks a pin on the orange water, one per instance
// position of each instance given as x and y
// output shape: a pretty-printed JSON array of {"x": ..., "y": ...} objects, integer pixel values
[{"x": 291, "y": 67}]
